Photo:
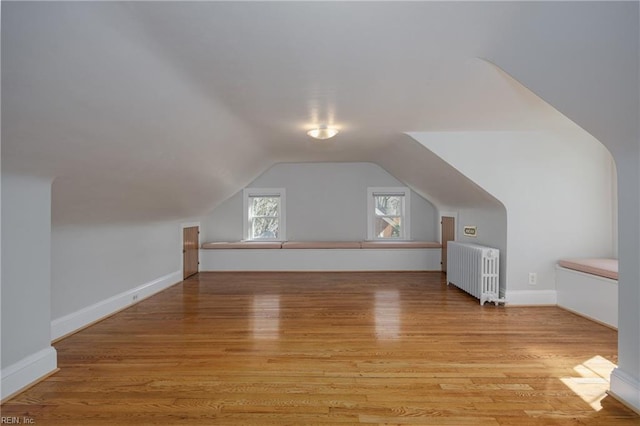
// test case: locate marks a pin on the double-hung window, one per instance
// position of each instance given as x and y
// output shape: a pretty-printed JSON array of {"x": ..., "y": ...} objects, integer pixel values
[
  {"x": 264, "y": 218},
  {"x": 388, "y": 216}
]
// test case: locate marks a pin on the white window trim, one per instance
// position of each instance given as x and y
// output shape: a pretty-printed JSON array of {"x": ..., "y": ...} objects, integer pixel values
[
  {"x": 257, "y": 192},
  {"x": 406, "y": 209}
]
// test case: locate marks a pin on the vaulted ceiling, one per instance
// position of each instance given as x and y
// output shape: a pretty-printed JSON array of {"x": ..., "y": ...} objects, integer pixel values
[{"x": 159, "y": 110}]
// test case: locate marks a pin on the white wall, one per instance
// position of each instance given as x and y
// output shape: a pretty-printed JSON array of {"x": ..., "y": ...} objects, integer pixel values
[
  {"x": 595, "y": 85},
  {"x": 224, "y": 223},
  {"x": 325, "y": 202},
  {"x": 625, "y": 380},
  {"x": 26, "y": 267},
  {"x": 557, "y": 195},
  {"x": 491, "y": 226},
  {"x": 91, "y": 264}
]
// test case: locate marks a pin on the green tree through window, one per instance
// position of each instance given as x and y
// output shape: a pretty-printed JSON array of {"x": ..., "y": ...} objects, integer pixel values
[{"x": 264, "y": 216}]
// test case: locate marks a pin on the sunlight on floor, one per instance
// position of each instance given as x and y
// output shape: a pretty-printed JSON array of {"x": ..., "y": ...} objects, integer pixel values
[
  {"x": 593, "y": 385},
  {"x": 266, "y": 316},
  {"x": 387, "y": 314}
]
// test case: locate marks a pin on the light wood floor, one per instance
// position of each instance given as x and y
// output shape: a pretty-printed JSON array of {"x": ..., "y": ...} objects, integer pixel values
[{"x": 329, "y": 348}]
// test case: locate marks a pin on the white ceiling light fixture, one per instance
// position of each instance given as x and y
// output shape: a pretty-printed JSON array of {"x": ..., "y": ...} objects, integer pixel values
[{"x": 323, "y": 132}]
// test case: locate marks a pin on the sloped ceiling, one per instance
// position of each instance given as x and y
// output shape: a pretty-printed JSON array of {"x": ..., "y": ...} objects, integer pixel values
[{"x": 159, "y": 110}]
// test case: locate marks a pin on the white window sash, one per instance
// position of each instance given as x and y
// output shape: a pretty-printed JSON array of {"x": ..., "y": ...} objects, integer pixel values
[
  {"x": 404, "y": 216},
  {"x": 248, "y": 222}
]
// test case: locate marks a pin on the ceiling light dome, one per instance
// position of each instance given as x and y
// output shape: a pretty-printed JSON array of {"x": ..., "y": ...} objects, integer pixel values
[{"x": 323, "y": 132}]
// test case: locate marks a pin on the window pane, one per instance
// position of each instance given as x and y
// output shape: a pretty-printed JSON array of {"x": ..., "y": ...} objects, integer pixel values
[
  {"x": 388, "y": 205},
  {"x": 388, "y": 227},
  {"x": 264, "y": 206},
  {"x": 264, "y": 227}
]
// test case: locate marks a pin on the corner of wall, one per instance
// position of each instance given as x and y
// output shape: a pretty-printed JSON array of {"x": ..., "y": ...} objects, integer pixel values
[
  {"x": 28, "y": 371},
  {"x": 626, "y": 389}
]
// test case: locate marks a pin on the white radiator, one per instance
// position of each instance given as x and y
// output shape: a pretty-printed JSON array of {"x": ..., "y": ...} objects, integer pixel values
[{"x": 475, "y": 269}]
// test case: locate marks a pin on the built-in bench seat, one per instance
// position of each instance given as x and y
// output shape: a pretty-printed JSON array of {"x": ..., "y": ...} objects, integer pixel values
[
  {"x": 607, "y": 268},
  {"x": 399, "y": 244},
  {"x": 321, "y": 256},
  {"x": 322, "y": 245},
  {"x": 589, "y": 287},
  {"x": 243, "y": 245}
]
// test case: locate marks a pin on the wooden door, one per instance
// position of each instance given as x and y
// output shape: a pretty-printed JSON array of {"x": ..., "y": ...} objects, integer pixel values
[
  {"x": 448, "y": 234},
  {"x": 190, "y": 250}
]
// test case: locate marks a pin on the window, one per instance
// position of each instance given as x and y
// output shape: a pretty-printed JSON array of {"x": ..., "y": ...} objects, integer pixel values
[
  {"x": 388, "y": 216},
  {"x": 264, "y": 214}
]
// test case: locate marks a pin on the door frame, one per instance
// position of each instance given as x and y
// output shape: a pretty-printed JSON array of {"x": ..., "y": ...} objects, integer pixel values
[
  {"x": 182, "y": 228},
  {"x": 454, "y": 215}
]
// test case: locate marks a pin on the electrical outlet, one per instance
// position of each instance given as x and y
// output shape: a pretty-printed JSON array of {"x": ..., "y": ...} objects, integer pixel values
[
  {"x": 135, "y": 298},
  {"x": 533, "y": 278}
]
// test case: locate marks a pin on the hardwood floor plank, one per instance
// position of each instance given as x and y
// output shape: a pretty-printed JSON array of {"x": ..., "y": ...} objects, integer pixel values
[{"x": 329, "y": 348}]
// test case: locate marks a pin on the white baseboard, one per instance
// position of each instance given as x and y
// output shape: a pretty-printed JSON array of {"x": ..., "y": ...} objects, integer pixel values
[
  {"x": 626, "y": 389},
  {"x": 77, "y": 320},
  {"x": 531, "y": 297},
  {"x": 27, "y": 371}
]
